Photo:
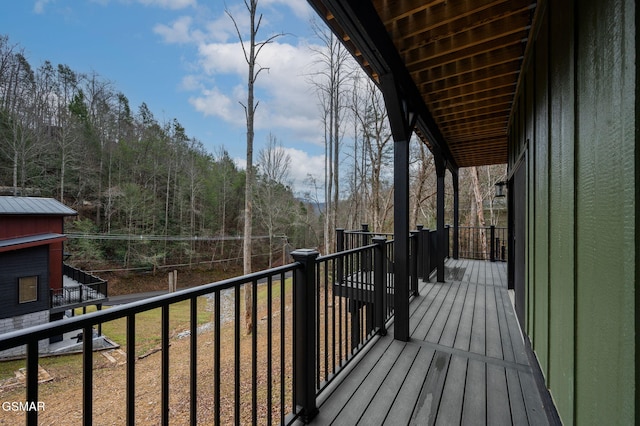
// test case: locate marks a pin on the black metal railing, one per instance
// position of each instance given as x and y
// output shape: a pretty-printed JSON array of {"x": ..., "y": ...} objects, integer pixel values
[
  {"x": 483, "y": 243},
  {"x": 235, "y": 392},
  {"x": 309, "y": 320},
  {"x": 89, "y": 289},
  {"x": 78, "y": 294},
  {"x": 349, "y": 239},
  {"x": 80, "y": 276}
]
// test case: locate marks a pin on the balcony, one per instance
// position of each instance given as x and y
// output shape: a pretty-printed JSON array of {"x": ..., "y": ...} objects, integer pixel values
[
  {"x": 330, "y": 353},
  {"x": 466, "y": 362},
  {"x": 79, "y": 289}
]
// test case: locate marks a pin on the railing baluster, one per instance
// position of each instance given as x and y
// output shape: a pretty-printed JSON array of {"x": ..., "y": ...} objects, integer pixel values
[
  {"x": 270, "y": 348},
  {"x": 216, "y": 359},
  {"x": 32, "y": 380},
  {"x": 283, "y": 352},
  {"x": 254, "y": 352},
  {"x": 87, "y": 375},
  {"x": 131, "y": 369},
  {"x": 236, "y": 374},
  {"x": 164, "y": 405},
  {"x": 193, "y": 367}
]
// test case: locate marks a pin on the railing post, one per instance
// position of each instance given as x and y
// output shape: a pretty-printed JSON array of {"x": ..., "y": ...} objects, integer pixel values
[
  {"x": 380, "y": 284},
  {"x": 413, "y": 267},
  {"x": 447, "y": 246},
  {"x": 339, "y": 260},
  {"x": 364, "y": 241},
  {"x": 305, "y": 288},
  {"x": 426, "y": 266},
  {"x": 420, "y": 249},
  {"x": 339, "y": 240},
  {"x": 492, "y": 250}
]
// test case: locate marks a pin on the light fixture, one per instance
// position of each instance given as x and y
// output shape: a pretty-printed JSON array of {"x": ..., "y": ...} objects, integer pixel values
[{"x": 500, "y": 188}]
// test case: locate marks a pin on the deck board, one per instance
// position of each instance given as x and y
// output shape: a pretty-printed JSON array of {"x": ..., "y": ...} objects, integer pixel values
[{"x": 465, "y": 363}]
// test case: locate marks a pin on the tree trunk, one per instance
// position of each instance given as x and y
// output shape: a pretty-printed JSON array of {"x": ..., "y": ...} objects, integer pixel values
[{"x": 479, "y": 209}]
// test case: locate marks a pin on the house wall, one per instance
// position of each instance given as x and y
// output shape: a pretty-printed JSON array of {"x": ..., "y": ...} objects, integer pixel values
[
  {"x": 27, "y": 225},
  {"x": 21, "y": 263},
  {"x": 23, "y": 321},
  {"x": 575, "y": 130}
]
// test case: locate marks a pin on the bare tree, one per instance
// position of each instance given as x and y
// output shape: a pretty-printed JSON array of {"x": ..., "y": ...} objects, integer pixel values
[
  {"x": 331, "y": 82},
  {"x": 423, "y": 174},
  {"x": 251, "y": 52},
  {"x": 272, "y": 200}
]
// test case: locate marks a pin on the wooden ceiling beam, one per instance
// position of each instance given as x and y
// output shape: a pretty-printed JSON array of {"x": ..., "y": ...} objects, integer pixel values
[
  {"x": 506, "y": 71},
  {"x": 515, "y": 28},
  {"x": 471, "y": 120},
  {"x": 440, "y": 13},
  {"x": 409, "y": 34},
  {"x": 400, "y": 9},
  {"x": 473, "y": 105},
  {"x": 472, "y": 114},
  {"x": 466, "y": 68},
  {"x": 464, "y": 100},
  {"x": 497, "y": 135},
  {"x": 497, "y": 126},
  {"x": 476, "y": 90},
  {"x": 492, "y": 49}
]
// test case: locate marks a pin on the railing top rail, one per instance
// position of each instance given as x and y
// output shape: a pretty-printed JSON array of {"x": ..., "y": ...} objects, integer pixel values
[
  {"x": 332, "y": 256},
  {"x": 361, "y": 232},
  {"x": 43, "y": 331}
]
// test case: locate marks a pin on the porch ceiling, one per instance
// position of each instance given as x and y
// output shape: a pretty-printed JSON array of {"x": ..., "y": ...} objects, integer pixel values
[{"x": 457, "y": 62}]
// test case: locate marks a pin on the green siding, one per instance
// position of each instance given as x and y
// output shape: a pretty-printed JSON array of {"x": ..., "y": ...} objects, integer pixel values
[
  {"x": 577, "y": 106},
  {"x": 540, "y": 195},
  {"x": 605, "y": 206},
  {"x": 561, "y": 210}
]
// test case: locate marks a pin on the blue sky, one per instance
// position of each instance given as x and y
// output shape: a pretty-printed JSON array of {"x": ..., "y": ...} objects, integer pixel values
[{"x": 183, "y": 58}]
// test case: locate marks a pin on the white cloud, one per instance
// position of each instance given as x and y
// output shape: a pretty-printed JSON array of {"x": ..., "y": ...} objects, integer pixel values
[
  {"x": 302, "y": 166},
  {"x": 222, "y": 58},
  {"x": 169, "y": 4},
  {"x": 39, "y": 6},
  {"x": 300, "y": 8},
  {"x": 212, "y": 102},
  {"x": 286, "y": 100},
  {"x": 177, "y": 32}
]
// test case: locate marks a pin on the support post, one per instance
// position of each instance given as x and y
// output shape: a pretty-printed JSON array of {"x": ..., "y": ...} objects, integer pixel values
[
  {"x": 379, "y": 284},
  {"x": 305, "y": 288},
  {"x": 440, "y": 172},
  {"x": 456, "y": 215},
  {"x": 402, "y": 121}
]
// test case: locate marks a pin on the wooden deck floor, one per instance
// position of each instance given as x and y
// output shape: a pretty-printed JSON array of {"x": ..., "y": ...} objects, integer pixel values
[{"x": 465, "y": 364}]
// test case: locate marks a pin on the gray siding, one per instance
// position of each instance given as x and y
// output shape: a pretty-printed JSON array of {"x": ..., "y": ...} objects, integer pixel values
[{"x": 21, "y": 263}]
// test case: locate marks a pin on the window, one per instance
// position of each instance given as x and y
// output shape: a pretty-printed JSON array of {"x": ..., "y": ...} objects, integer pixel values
[{"x": 28, "y": 289}]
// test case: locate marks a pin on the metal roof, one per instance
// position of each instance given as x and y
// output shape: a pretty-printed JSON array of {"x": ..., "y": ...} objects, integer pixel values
[
  {"x": 458, "y": 63},
  {"x": 34, "y": 206},
  {"x": 30, "y": 241}
]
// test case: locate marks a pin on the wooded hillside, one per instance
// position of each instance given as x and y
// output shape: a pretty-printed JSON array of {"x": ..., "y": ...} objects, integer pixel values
[{"x": 74, "y": 137}]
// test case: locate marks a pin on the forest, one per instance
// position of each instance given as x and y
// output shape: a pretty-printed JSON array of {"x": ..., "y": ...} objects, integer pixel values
[{"x": 149, "y": 195}]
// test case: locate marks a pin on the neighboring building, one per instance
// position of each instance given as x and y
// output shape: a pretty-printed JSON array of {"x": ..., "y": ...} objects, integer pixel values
[{"x": 31, "y": 265}]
